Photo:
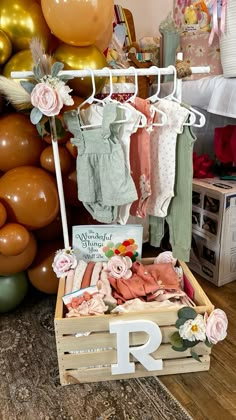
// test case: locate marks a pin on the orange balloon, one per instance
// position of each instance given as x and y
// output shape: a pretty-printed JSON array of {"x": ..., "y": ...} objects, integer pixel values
[
  {"x": 30, "y": 196},
  {"x": 40, "y": 273},
  {"x": 72, "y": 149},
  {"x": 20, "y": 143},
  {"x": 79, "y": 58},
  {"x": 53, "y": 231},
  {"x": 47, "y": 159},
  {"x": 14, "y": 238},
  {"x": 104, "y": 38},
  {"x": 3, "y": 215},
  {"x": 71, "y": 189},
  {"x": 17, "y": 263},
  {"x": 77, "y": 22}
]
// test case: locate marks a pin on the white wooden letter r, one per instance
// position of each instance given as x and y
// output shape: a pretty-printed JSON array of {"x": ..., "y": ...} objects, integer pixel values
[{"x": 141, "y": 353}]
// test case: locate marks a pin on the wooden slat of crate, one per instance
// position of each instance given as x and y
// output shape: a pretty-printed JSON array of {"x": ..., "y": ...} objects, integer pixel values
[
  {"x": 170, "y": 367},
  {"x": 91, "y": 341},
  {"x": 108, "y": 357}
]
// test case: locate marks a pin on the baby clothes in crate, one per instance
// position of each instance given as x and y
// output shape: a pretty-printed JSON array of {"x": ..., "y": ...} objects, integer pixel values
[{"x": 104, "y": 181}]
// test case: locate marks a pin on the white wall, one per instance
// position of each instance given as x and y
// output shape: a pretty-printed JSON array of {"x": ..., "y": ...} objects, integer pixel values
[{"x": 147, "y": 14}]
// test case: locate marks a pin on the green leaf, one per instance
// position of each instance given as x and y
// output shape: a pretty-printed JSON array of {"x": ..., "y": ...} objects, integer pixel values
[
  {"x": 65, "y": 77},
  {"x": 189, "y": 343},
  {"x": 27, "y": 86},
  {"x": 40, "y": 129},
  {"x": 37, "y": 72},
  {"x": 187, "y": 313},
  {"x": 61, "y": 132},
  {"x": 56, "y": 68},
  {"x": 35, "y": 115},
  {"x": 183, "y": 348},
  {"x": 208, "y": 343},
  {"x": 176, "y": 340},
  {"x": 195, "y": 356},
  {"x": 180, "y": 322}
]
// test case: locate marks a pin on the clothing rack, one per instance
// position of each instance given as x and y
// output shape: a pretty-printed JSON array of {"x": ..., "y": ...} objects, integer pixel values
[{"x": 105, "y": 72}]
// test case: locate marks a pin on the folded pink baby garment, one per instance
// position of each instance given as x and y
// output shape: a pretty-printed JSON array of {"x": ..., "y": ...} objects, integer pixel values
[
  {"x": 146, "y": 279},
  {"x": 104, "y": 286},
  {"x": 93, "y": 306}
]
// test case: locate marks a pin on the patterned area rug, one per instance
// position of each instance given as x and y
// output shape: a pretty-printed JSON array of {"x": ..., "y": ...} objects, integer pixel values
[{"x": 29, "y": 380}]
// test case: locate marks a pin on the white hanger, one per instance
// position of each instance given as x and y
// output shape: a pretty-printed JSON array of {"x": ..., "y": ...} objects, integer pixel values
[
  {"x": 90, "y": 100},
  {"x": 143, "y": 118},
  {"x": 192, "y": 111},
  {"x": 110, "y": 99},
  {"x": 154, "y": 98}
]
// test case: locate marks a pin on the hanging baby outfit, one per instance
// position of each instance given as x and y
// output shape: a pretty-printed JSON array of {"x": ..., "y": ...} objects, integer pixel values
[
  {"x": 104, "y": 181},
  {"x": 94, "y": 115},
  {"x": 179, "y": 217},
  {"x": 163, "y": 156},
  {"x": 140, "y": 160}
]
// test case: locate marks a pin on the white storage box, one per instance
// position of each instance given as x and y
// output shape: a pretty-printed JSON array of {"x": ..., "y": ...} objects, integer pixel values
[{"x": 213, "y": 253}]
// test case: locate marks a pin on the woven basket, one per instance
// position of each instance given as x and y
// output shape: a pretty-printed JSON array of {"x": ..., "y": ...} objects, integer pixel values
[
  {"x": 144, "y": 82},
  {"x": 228, "y": 41}
]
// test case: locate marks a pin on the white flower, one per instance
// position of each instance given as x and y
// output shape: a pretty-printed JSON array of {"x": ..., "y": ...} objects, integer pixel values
[
  {"x": 64, "y": 92},
  {"x": 193, "y": 329}
]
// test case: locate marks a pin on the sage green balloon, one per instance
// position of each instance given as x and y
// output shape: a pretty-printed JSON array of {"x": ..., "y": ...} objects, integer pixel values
[{"x": 13, "y": 289}]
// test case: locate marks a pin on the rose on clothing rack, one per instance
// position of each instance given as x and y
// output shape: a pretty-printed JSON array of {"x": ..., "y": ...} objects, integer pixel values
[
  {"x": 194, "y": 328},
  {"x": 48, "y": 92}
]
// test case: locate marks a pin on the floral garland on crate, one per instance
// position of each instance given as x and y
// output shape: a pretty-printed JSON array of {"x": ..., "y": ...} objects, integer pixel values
[{"x": 194, "y": 328}]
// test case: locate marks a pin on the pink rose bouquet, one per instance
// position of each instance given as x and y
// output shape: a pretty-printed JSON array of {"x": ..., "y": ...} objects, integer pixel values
[
  {"x": 64, "y": 261},
  {"x": 119, "y": 267},
  {"x": 48, "y": 91},
  {"x": 193, "y": 328}
]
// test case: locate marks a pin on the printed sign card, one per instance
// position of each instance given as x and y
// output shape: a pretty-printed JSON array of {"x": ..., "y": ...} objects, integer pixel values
[{"x": 101, "y": 242}]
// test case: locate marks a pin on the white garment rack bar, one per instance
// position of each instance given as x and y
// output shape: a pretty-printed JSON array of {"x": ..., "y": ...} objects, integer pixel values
[{"x": 131, "y": 71}]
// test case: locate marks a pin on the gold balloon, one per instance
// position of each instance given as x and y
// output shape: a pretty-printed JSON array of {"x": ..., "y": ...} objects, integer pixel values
[
  {"x": 22, "y": 20},
  {"x": 21, "y": 61},
  {"x": 5, "y": 47},
  {"x": 79, "y": 58},
  {"x": 77, "y": 22}
]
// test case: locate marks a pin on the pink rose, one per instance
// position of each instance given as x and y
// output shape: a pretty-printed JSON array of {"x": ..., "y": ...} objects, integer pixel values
[
  {"x": 216, "y": 326},
  {"x": 63, "y": 262},
  {"x": 46, "y": 99},
  {"x": 119, "y": 267}
]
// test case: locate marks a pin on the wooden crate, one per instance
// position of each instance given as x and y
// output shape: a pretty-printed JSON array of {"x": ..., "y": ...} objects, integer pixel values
[{"x": 89, "y": 358}]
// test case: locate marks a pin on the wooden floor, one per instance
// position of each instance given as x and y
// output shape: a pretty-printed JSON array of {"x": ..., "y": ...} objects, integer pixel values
[{"x": 211, "y": 395}]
